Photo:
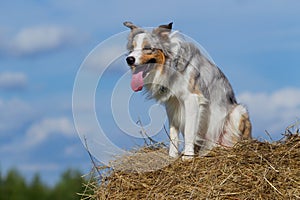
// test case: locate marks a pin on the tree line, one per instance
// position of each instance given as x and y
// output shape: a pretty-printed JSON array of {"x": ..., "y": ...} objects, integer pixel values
[{"x": 14, "y": 187}]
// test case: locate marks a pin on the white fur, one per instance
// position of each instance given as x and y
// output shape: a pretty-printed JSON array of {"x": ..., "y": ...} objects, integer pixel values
[
  {"x": 137, "y": 52},
  {"x": 174, "y": 142},
  {"x": 232, "y": 127}
]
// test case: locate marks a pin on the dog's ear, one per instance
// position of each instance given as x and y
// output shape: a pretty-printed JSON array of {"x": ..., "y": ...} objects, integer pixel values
[
  {"x": 163, "y": 30},
  {"x": 130, "y": 25},
  {"x": 167, "y": 26}
]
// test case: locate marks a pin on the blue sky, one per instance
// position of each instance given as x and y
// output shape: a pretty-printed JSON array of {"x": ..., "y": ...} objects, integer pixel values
[{"x": 43, "y": 43}]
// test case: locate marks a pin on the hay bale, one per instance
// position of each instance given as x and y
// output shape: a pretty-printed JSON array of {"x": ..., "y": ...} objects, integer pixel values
[{"x": 249, "y": 170}]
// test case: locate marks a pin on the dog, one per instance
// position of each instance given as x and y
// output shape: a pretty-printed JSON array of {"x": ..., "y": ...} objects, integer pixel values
[{"x": 199, "y": 100}]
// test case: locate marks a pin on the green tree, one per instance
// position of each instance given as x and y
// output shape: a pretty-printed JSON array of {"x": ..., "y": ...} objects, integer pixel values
[
  {"x": 14, "y": 186},
  {"x": 70, "y": 184},
  {"x": 1, "y": 185},
  {"x": 37, "y": 190}
]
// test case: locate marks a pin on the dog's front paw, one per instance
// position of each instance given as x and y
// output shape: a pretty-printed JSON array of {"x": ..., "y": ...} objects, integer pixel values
[
  {"x": 187, "y": 157},
  {"x": 173, "y": 154}
]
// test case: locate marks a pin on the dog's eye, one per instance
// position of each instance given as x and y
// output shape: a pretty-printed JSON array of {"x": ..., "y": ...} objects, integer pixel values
[{"x": 147, "y": 48}]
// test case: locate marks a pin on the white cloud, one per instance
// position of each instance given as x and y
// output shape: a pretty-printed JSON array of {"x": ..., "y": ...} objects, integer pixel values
[
  {"x": 42, "y": 130},
  {"x": 14, "y": 113},
  {"x": 38, "y": 133},
  {"x": 107, "y": 52},
  {"x": 12, "y": 80},
  {"x": 38, "y": 39},
  {"x": 272, "y": 111},
  {"x": 104, "y": 55},
  {"x": 27, "y": 149},
  {"x": 74, "y": 150},
  {"x": 101, "y": 58}
]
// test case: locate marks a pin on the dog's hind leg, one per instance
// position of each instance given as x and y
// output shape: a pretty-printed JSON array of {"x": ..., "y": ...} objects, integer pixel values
[
  {"x": 202, "y": 142},
  {"x": 237, "y": 127}
]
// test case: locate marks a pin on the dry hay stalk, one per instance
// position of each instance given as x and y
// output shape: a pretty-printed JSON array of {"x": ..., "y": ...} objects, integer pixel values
[{"x": 249, "y": 170}]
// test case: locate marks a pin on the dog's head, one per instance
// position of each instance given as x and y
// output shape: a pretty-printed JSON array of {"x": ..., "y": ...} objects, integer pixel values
[{"x": 147, "y": 52}]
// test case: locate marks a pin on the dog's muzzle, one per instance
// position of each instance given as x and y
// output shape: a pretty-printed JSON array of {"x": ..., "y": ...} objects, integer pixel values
[{"x": 130, "y": 60}]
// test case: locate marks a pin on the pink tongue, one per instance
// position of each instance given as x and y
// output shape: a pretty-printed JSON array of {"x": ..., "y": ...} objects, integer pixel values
[{"x": 137, "y": 82}]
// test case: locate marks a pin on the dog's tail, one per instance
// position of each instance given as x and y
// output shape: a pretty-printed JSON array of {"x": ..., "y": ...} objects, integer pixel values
[{"x": 237, "y": 127}]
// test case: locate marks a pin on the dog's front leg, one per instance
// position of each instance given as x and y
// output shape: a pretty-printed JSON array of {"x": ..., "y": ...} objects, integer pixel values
[
  {"x": 174, "y": 141},
  {"x": 191, "y": 109}
]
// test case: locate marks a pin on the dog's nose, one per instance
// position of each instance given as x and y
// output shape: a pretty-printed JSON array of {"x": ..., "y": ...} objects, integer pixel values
[{"x": 130, "y": 60}]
